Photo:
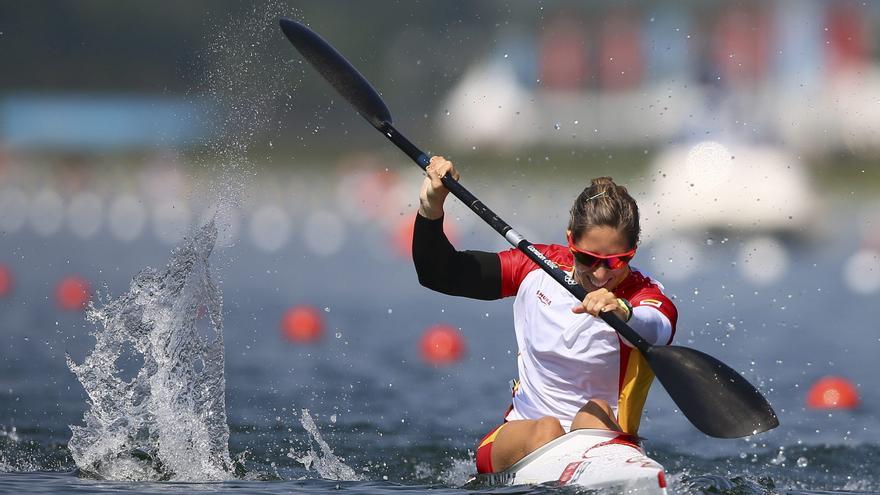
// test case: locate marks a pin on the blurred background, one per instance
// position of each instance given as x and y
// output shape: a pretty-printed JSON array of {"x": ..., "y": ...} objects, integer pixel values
[{"x": 749, "y": 133}]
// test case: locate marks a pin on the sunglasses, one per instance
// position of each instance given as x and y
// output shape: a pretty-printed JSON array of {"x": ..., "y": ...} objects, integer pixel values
[{"x": 592, "y": 260}]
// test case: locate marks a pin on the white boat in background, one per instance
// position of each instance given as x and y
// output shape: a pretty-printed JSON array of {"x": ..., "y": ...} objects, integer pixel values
[
  {"x": 586, "y": 458},
  {"x": 730, "y": 186}
]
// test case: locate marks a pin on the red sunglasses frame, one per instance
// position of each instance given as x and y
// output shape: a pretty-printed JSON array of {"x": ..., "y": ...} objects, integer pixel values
[{"x": 611, "y": 261}]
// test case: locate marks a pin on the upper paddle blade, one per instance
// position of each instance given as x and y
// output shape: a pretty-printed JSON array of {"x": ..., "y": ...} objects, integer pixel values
[
  {"x": 338, "y": 72},
  {"x": 714, "y": 397}
]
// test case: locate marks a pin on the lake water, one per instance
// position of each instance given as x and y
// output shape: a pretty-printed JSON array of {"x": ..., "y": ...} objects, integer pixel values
[{"x": 360, "y": 411}]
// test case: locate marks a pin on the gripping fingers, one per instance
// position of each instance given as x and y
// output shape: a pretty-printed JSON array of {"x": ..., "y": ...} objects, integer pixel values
[
  {"x": 611, "y": 307},
  {"x": 438, "y": 167},
  {"x": 433, "y": 192},
  {"x": 589, "y": 306},
  {"x": 598, "y": 301}
]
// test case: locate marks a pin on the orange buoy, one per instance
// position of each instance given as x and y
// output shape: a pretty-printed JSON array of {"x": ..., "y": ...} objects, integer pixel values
[
  {"x": 832, "y": 392},
  {"x": 5, "y": 280},
  {"x": 73, "y": 293},
  {"x": 302, "y": 324},
  {"x": 442, "y": 345}
]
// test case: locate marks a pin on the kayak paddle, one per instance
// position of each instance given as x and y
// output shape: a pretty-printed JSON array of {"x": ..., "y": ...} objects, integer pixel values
[{"x": 714, "y": 397}]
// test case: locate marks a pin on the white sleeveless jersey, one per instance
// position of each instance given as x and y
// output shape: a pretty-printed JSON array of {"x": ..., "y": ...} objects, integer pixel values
[{"x": 557, "y": 379}]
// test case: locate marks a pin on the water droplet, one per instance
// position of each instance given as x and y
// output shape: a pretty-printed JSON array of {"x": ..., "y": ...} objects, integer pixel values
[
  {"x": 710, "y": 241},
  {"x": 557, "y": 126},
  {"x": 327, "y": 309},
  {"x": 506, "y": 55},
  {"x": 802, "y": 462},
  {"x": 338, "y": 335}
]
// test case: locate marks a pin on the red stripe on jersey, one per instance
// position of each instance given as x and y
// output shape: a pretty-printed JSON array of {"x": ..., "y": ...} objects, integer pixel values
[{"x": 515, "y": 265}]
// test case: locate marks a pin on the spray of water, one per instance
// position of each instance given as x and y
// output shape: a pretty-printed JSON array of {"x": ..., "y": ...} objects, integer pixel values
[
  {"x": 155, "y": 377},
  {"x": 459, "y": 472},
  {"x": 246, "y": 94},
  {"x": 323, "y": 461}
]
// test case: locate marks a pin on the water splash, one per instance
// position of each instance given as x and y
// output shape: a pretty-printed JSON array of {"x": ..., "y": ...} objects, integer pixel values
[
  {"x": 325, "y": 462},
  {"x": 155, "y": 377},
  {"x": 246, "y": 90},
  {"x": 11, "y": 433},
  {"x": 459, "y": 472}
]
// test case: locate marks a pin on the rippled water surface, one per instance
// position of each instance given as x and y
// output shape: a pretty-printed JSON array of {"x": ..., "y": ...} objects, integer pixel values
[{"x": 359, "y": 410}]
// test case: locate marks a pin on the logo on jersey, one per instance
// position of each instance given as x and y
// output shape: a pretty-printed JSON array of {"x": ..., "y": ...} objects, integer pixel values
[
  {"x": 540, "y": 256},
  {"x": 543, "y": 298},
  {"x": 651, "y": 302}
]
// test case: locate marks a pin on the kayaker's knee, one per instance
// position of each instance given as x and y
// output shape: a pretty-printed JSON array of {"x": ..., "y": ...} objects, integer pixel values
[
  {"x": 547, "y": 429},
  {"x": 596, "y": 413},
  {"x": 600, "y": 404}
]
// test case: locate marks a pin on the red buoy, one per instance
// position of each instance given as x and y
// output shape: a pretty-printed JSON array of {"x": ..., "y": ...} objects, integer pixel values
[
  {"x": 442, "y": 345},
  {"x": 73, "y": 293},
  {"x": 402, "y": 235},
  {"x": 402, "y": 238},
  {"x": 832, "y": 392},
  {"x": 5, "y": 280},
  {"x": 302, "y": 324}
]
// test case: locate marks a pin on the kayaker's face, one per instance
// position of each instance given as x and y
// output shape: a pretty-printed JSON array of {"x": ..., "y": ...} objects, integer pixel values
[{"x": 602, "y": 240}]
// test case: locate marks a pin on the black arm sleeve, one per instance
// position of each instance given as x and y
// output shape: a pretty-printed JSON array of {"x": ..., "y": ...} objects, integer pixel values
[{"x": 474, "y": 274}]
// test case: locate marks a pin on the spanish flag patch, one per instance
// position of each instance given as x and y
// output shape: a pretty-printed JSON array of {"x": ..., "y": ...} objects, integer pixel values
[{"x": 650, "y": 302}]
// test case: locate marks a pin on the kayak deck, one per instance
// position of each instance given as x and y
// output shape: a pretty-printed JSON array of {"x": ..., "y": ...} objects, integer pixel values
[{"x": 596, "y": 459}]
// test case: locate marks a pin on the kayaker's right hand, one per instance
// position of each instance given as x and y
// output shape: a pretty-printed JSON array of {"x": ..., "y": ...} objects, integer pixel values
[{"x": 433, "y": 193}]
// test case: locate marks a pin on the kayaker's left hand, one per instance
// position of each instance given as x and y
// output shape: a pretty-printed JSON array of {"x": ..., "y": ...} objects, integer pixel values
[
  {"x": 600, "y": 300},
  {"x": 433, "y": 193}
]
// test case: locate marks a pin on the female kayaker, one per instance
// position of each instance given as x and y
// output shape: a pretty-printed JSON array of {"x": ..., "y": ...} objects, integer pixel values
[{"x": 574, "y": 370}]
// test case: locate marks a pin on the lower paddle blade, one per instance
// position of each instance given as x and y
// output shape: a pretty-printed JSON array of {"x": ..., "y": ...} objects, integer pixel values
[
  {"x": 338, "y": 72},
  {"x": 714, "y": 397}
]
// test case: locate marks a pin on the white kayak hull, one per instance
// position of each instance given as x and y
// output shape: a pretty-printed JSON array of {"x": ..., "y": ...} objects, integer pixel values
[{"x": 595, "y": 459}]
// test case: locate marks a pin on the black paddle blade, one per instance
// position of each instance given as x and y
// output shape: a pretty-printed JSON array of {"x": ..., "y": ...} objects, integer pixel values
[
  {"x": 714, "y": 397},
  {"x": 338, "y": 72}
]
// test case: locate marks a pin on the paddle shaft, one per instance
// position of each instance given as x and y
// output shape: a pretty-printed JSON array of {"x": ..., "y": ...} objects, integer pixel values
[{"x": 513, "y": 237}]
